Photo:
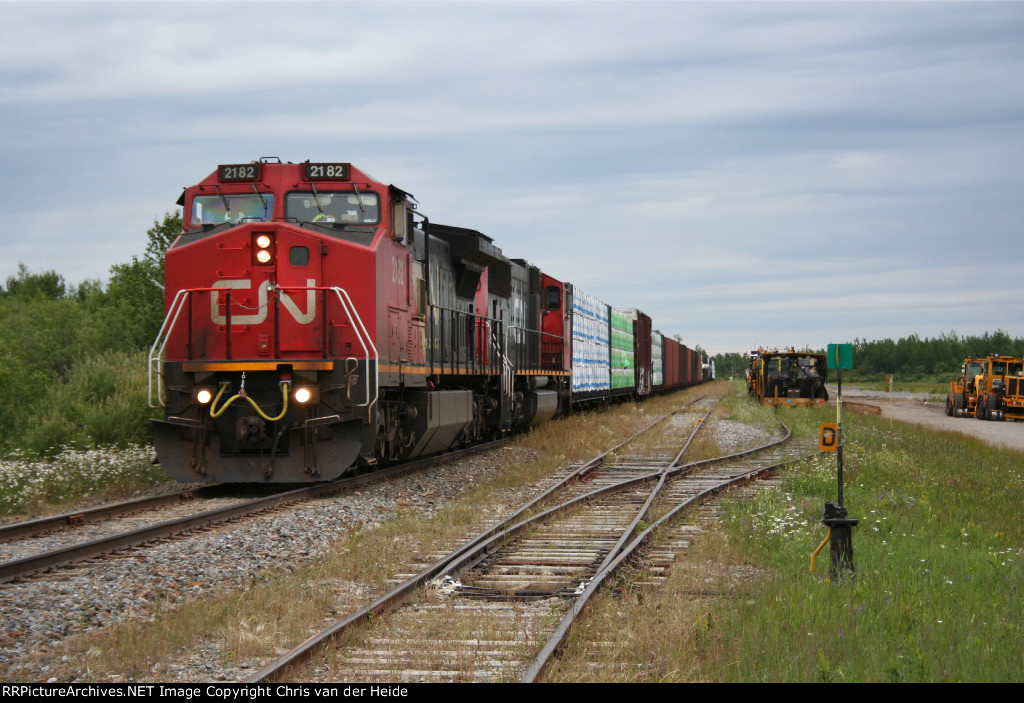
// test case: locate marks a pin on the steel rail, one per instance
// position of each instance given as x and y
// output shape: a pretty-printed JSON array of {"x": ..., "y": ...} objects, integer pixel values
[
  {"x": 78, "y": 517},
  {"x": 13, "y": 569},
  {"x": 398, "y": 595},
  {"x": 662, "y": 478},
  {"x": 583, "y": 469},
  {"x": 503, "y": 529},
  {"x": 556, "y": 640},
  {"x": 469, "y": 551},
  {"x": 660, "y": 475}
]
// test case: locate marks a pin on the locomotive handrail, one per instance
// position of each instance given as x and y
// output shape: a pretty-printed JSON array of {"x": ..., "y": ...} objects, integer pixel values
[
  {"x": 156, "y": 352},
  {"x": 508, "y": 373},
  {"x": 521, "y": 334},
  {"x": 364, "y": 338}
]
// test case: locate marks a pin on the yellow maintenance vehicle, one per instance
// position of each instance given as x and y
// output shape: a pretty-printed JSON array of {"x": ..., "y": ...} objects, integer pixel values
[
  {"x": 962, "y": 398},
  {"x": 787, "y": 377},
  {"x": 1000, "y": 389},
  {"x": 988, "y": 389}
]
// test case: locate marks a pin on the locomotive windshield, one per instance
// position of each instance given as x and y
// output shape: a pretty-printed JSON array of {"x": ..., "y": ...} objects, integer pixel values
[
  {"x": 329, "y": 206},
  {"x": 232, "y": 207}
]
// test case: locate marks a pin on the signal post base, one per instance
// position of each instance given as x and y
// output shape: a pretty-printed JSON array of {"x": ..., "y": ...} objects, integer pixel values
[{"x": 841, "y": 543}]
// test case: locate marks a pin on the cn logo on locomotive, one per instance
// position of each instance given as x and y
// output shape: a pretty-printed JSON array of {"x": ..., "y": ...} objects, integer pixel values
[{"x": 303, "y": 318}]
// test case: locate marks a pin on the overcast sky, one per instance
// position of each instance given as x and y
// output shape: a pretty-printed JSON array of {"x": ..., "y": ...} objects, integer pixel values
[{"x": 748, "y": 174}]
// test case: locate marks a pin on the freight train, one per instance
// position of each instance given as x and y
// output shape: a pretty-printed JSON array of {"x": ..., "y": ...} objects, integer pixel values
[{"x": 317, "y": 322}]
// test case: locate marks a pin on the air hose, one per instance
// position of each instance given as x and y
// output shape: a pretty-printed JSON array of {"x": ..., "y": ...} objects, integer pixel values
[{"x": 215, "y": 412}]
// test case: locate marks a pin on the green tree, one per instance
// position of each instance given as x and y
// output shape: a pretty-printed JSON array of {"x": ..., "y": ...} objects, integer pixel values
[
  {"x": 26, "y": 286},
  {"x": 69, "y": 355},
  {"x": 731, "y": 364},
  {"x": 913, "y": 356},
  {"x": 159, "y": 239},
  {"x": 86, "y": 290},
  {"x": 134, "y": 303}
]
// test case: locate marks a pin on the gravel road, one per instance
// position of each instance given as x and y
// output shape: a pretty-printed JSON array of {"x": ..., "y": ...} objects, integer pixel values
[{"x": 916, "y": 408}]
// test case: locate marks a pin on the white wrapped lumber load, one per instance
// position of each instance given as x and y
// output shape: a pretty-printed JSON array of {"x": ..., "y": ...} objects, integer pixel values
[{"x": 590, "y": 344}]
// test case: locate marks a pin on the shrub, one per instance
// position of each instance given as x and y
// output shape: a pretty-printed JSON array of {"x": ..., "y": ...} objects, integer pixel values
[{"x": 103, "y": 403}]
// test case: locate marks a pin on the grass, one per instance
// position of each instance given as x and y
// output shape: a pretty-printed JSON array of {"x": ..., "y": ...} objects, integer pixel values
[
  {"x": 938, "y": 556},
  {"x": 937, "y": 384},
  {"x": 737, "y": 407},
  {"x": 936, "y": 595}
]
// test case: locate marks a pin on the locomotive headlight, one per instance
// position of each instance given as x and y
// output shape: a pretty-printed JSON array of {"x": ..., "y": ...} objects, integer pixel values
[
  {"x": 263, "y": 245},
  {"x": 303, "y": 395},
  {"x": 204, "y": 396}
]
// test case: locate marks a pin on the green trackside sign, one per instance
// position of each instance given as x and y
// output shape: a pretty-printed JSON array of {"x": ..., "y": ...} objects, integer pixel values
[{"x": 840, "y": 356}]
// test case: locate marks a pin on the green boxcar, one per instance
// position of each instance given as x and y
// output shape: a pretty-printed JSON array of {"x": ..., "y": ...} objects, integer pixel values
[{"x": 623, "y": 363}]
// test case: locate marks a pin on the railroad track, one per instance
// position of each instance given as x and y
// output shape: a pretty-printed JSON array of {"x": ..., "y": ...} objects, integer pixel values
[
  {"x": 77, "y": 518},
  {"x": 499, "y": 607},
  {"x": 21, "y": 541}
]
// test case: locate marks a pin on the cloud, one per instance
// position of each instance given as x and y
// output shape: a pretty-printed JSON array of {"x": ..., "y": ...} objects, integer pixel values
[{"x": 740, "y": 171}]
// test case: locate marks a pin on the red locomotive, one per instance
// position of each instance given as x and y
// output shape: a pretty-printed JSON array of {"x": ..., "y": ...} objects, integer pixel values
[{"x": 317, "y": 322}]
